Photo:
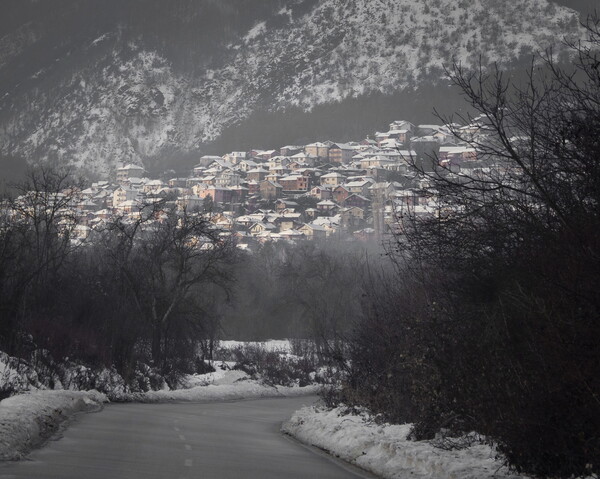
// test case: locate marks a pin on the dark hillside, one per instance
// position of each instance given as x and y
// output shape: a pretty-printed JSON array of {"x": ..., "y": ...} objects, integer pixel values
[{"x": 586, "y": 7}]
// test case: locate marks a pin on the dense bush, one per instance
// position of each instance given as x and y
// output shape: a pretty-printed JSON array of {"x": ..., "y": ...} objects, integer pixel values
[
  {"x": 138, "y": 291},
  {"x": 274, "y": 368},
  {"x": 491, "y": 323}
]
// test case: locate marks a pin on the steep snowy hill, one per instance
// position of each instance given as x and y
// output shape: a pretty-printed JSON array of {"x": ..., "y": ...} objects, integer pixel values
[{"x": 135, "y": 88}]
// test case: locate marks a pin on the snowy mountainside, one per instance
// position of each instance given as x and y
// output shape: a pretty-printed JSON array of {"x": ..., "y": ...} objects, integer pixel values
[
  {"x": 121, "y": 99},
  {"x": 344, "y": 48}
]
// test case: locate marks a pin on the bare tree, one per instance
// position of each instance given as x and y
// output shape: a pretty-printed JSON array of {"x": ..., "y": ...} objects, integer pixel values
[
  {"x": 325, "y": 282},
  {"x": 35, "y": 238},
  {"x": 166, "y": 256},
  {"x": 504, "y": 269}
]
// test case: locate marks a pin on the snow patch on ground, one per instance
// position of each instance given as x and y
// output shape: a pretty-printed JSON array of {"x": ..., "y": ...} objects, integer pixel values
[
  {"x": 222, "y": 385},
  {"x": 385, "y": 450},
  {"x": 27, "y": 420},
  {"x": 224, "y": 392},
  {"x": 100, "y": 39},
  {"x": 272, "y": 345},
  {"x": 255, "y": 31},
  {"x": 223, "y": 374}
]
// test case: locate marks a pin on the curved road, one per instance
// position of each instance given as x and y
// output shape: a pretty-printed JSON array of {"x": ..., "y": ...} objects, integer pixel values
[{"x": 181, "y": 441}]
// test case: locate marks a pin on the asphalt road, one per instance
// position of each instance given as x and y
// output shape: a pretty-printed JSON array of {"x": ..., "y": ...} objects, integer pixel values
[{"x": 237, "y": 440}]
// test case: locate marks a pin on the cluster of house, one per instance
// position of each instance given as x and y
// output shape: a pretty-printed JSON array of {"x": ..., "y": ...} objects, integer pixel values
[{"x": 320, "y": 190}]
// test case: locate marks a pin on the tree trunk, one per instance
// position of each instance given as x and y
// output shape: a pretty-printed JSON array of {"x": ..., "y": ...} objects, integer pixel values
[{"x": 157, "y": 345}]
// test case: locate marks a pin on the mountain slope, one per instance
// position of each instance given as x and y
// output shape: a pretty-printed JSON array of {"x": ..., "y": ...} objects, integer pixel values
[{"x": 135, "y": 93}]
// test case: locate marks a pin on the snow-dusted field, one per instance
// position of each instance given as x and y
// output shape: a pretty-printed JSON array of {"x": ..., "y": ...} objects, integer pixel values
[
  {"x": 273, "y": 345},
  {"x": 222, "y": 385},
  {"x": 385, "y": 450}
]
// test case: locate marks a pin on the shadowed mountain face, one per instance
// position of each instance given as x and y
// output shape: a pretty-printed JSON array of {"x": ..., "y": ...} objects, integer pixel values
[
  {"x": 93, "y": 83},
  {"x": 584, "y": 7}
]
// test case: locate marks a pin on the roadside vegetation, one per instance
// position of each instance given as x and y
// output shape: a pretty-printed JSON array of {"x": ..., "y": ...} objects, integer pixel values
[
  {"x": 135, "y": 299},
  {"x": 490, "y": 321},
  {"x": 276, "y": 367}
]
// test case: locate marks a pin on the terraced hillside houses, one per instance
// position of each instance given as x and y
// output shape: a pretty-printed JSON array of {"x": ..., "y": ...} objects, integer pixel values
[{"x": 353, "y": 190}]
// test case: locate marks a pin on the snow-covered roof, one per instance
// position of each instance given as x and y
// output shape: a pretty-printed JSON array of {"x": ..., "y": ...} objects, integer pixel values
[
  {"x": 456, "y": 149},
  {"x": 266, "y": 226},
  {"x": 313, "y": 226},
  {"x": 303, "y": 155},
  {"x": 357, "y": 184},
  {"x": 407, "y": 153},
  {"x": 131, "y": 166},
  {"x": 343, "y": 146},
  {"x": 323, "y": 221},
  {"x": 291, "y": 178}
]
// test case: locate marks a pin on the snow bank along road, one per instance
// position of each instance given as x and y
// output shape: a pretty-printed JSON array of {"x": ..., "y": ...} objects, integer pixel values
[
  {"x": 224, "y": 440},
  {"x": 385, "y": 450}
]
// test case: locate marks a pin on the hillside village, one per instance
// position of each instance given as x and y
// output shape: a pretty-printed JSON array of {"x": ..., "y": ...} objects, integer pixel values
[{"x": 320, "y": 190}]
